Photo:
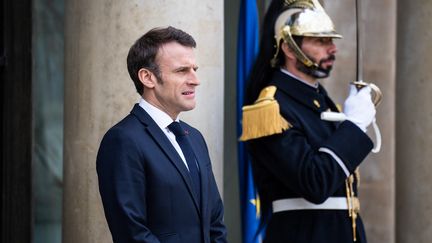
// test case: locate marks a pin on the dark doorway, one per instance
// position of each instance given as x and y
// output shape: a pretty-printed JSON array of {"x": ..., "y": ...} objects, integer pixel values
[{"x": 16, "y": 121}]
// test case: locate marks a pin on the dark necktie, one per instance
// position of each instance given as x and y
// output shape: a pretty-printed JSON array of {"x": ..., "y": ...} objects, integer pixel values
[{"x": 183, "y": 141}]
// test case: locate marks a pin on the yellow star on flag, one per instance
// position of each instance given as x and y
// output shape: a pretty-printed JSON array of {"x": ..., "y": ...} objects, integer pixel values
[{"x": 257, "y": 204}]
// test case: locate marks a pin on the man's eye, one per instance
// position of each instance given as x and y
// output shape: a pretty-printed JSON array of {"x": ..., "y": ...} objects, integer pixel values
[{"x": 325, "y": 40}]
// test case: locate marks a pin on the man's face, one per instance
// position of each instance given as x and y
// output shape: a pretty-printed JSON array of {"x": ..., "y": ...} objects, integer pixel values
[
  {"x": 175, "y": 91},
  {"x": 320, "y": 50}
]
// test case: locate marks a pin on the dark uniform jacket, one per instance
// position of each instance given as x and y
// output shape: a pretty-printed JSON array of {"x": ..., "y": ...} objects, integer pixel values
[
  {"x": 290, "y": 165},
  {"x": 146, "y": 189}
]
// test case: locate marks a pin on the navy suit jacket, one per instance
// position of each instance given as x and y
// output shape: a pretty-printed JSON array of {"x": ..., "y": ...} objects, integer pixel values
[{"x": 146, "y": 188}]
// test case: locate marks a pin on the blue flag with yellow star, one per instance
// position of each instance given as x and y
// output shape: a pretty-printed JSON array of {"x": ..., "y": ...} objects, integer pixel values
[{"x": 247, "y": 48}]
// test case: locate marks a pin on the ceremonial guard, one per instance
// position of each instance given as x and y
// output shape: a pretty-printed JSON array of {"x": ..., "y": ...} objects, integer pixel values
[{"x": 305, "y": 167}]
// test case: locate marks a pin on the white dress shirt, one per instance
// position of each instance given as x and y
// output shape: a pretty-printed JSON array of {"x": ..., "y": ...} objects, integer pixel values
[{"x": 162, "y": 119}]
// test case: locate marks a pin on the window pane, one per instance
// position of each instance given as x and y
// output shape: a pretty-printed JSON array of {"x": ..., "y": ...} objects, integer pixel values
[{"x": 48, "y": 43}]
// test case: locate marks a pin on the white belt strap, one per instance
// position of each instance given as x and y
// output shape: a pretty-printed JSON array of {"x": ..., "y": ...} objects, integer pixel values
[{"x": 332, "y": 203}]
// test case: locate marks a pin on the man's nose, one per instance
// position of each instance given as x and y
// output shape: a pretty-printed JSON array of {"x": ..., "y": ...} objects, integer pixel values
[
  {"x": 332, "y": 49},
  {"x": 193, "y": 79}
]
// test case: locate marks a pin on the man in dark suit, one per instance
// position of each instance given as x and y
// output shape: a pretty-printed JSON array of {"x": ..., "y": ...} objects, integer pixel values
[
  {"x": 305, "y": 167},
  {"x": 155, "y": 176}
]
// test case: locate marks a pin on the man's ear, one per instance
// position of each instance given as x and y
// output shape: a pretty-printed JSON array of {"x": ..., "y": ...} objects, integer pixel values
[
  {"x": 147, "y": 78},
  {"x": 287, "y": 51}
]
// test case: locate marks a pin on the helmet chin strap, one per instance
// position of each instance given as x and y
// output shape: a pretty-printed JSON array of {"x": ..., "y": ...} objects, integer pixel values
[{"x": 315, "y": 70}]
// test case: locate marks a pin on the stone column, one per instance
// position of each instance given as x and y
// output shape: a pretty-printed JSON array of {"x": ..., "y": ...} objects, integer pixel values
[
  {"x": 414, "y": 122},
  {"x": 99, "y": 92},
  {"x": 377, "y": 189}
]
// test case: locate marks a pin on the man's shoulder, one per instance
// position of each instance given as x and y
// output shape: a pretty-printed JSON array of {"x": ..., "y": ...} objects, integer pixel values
[{"x": 128, "y": 125}]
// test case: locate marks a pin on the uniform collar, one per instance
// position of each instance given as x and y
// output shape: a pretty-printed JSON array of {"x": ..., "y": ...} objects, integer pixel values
[
  {"x": 315, "y": 85},
  {"x": 313, "y": 97}
]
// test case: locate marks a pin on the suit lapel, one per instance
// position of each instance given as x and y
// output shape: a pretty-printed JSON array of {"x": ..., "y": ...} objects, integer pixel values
[
  {"x": 201, "y": 159},
  {"x": 165, "y": 145}
]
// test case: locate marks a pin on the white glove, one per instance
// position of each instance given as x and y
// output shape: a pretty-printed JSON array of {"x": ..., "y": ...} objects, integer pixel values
[{"x": 358, "y": 107}]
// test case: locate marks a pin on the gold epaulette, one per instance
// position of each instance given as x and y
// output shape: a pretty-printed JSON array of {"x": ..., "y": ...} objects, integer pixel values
[{"x": 263, "y": 117}]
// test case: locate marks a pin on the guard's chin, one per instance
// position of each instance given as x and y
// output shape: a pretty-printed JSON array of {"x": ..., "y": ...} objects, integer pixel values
[
  {"x": 321, "y": 72},
  {"x": 315, "y": 72}
]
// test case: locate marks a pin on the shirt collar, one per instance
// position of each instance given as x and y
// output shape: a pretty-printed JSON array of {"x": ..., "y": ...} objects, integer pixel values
[
  {"x": 299, "y": 79},
  {"x": 161, "y": 118}
]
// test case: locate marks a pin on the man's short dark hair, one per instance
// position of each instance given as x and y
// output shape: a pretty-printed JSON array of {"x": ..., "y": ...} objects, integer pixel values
[{"x": 143, "y": 52}]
